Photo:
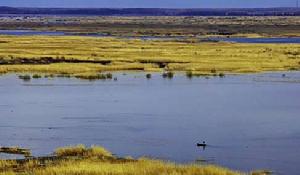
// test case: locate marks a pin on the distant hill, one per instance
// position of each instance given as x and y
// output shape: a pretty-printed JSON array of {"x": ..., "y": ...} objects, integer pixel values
[{"x": 154, "y": 11}]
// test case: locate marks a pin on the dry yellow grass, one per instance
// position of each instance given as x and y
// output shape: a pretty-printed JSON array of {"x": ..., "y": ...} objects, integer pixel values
[
  {"x": 81, "y": 150},
  {"x": 84, "y": 55},
  {"x": 141, "y": 167},
  {"x": 99, "y": 161}
]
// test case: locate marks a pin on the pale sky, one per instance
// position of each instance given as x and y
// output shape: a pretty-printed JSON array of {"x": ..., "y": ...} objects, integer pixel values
[{"x": 150, "y": 3}]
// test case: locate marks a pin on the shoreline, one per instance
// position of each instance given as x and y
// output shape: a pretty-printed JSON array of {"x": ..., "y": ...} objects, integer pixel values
[
  {"x": 159, "y": 25},
  {"x": 97, "y": 160}
]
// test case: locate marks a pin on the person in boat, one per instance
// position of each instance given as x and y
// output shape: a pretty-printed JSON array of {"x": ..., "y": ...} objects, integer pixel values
[{"x": 203, "y": 145}]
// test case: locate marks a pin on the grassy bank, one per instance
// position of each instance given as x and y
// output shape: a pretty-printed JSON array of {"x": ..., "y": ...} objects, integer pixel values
[
  {"x": 98, "y": 161},
  {"x": 90, "y": 55},
  {"x": 160, "y": 25}
]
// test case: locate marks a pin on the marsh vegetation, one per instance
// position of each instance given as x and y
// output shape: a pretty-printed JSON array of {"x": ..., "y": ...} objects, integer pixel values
[
  {"x": 186, "y": 26},
  {"x": 93, "y": 58},
  {"x": 25, "y": 77},
  {"x": 148, "y": 76},
  {"x": 98, "y": 161},
  {"x": 87, "y": 57}
]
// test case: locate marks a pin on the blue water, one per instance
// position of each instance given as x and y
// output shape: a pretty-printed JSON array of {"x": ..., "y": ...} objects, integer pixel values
[
  {"x": 259, "y": 40},
  {"x": 234, "y": 39},
  {"x": 249, "y": 122},
  {"x": 30, "y": 32}
]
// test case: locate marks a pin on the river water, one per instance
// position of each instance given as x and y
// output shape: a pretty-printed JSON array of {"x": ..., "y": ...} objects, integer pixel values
[
  {"x": 249, "y": 121},
  {"x": 231, "y": 39}
]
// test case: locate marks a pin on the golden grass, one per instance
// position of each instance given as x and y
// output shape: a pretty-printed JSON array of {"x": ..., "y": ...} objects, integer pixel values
[
  {"x": 81, "y": 150},
  {"x": 141, "y": 167},
  {"x": 98, "y": 161},
  {"x": 83, "y": 55},
  {"x": 6, "y": 164}
]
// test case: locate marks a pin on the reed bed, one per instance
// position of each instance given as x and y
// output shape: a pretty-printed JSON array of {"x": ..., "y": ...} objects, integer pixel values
[
  {"x": 82, "y": 55},
  {"x": 98, "y": 161}
]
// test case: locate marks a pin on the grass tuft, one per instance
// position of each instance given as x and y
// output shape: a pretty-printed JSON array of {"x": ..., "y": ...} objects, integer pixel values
[
  {"x": 168, "y": 75},
  {"x": 109, "y": 76},
  {"x": 36, "y": 76},
  {"x": 25, "y": 77},
  {"x": 81, "y": 150},
  {"x": 91, "y": 76},
  {"x": 189, "y": 74},
  {"x": 222, "y": 75}
]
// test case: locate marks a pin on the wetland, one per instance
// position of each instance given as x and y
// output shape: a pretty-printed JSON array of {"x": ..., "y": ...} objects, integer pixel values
[
  {"x": 244, "y": 119},
  {"x": 151, "y": 88}
]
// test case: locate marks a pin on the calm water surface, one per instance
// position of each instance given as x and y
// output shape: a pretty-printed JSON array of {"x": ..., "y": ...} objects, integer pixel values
[
  {"x": 30, "y": 33},
  {"x": 250, "y": 121},
  {"x": 260, "y": 40},
  {"x": 232, "y": 39}
]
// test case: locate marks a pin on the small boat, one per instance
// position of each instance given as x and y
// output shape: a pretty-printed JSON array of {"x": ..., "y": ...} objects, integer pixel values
[{"x": 201, "y": 144}]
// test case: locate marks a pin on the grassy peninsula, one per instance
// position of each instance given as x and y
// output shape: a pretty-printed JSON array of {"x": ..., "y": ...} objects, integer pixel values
[
  {"x": 77, "y": 55},
  {"x": 98, "y": 161}
]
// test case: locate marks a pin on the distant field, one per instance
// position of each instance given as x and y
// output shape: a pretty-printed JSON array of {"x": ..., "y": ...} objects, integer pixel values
[
  {"x": 197, "y": 26},
  {"x": 91, "y": 55}
]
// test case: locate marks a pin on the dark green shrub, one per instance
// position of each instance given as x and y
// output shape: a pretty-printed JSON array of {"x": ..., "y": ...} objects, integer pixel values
[
  {"x": 221, "y": 75},
  {"x": 169, "y": 75},
  {"x": 91, "y": 77},
  {"x": 148, "y": 76},
  {"x": 36, "y": 76},
  {"x": 109, "y": 76},
  {"x": 25, "y": 77},
  {"x": 189, "y": 74}
]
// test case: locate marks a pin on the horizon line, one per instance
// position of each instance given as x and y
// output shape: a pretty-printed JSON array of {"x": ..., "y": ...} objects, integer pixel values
[{"x": 151, "y": 7}]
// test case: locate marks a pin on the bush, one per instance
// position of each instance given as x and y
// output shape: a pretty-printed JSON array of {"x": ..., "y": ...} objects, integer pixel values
[
  {"x": 64, "y": 76},
  {"x": 148, "y": 76},
  {"x": 25, "y": 77},
  {"x": 169, "y": 75},
  {"x": 222, "y": 75},
  {"x": 109, "y": 76},
  {"x": 81, "y": 150},
  {"x": 189, "y": 74},
  {"x": 91, "y": 77},
  {"x": 36, "y": 76}
]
